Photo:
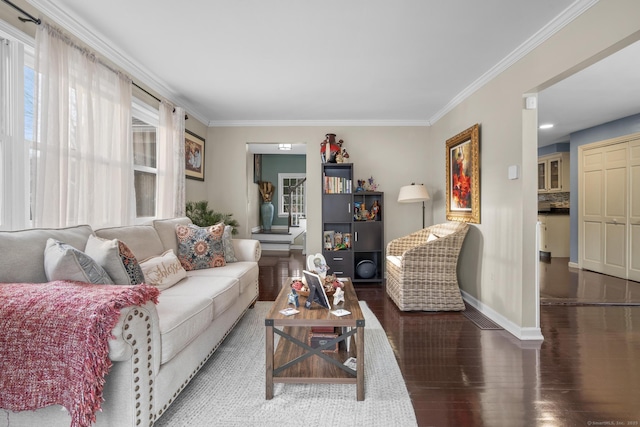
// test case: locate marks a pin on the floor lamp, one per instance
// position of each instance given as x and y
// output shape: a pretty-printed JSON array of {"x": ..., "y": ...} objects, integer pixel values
[{"x": 414, "y": 193}]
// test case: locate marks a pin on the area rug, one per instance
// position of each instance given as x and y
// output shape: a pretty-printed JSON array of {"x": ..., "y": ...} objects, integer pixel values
[{"x": 230, "y": 389}]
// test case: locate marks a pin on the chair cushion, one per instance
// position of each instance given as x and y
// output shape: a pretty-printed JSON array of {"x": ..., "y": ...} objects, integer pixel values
[{"x": 395, "y": 260}]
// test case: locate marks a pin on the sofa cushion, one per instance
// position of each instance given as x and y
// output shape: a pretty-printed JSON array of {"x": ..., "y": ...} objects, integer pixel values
[
  {"x": 117, "y": 260},
  {"x": 22, "y": 251},
  {"x": 223, "y": 291},
  {"x": 187, "y": 309},
  {"x": 163, "y": 271},
  {"x": 227, "y": 245},
  {"x": 200, "y": 247},
  {"x": 143, "y": 240},
  {"x": 245, "y": 272},
  {"x": 166, "y": 229},
  {"x": 64, "y": 262},
  {"x": 182, "y": 318}
]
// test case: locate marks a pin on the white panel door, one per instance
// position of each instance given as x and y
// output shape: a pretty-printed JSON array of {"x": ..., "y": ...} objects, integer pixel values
[
  {"x": 634, "y": 210},
  {"x": 591, "y": 200},
  {"x": 615, "y": 210}
]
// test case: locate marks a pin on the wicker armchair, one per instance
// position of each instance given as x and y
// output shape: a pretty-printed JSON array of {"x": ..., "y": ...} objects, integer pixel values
[{"x": 421, "y": 274}]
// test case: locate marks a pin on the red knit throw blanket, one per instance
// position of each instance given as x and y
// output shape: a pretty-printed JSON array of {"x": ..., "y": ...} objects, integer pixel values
[{"x": 54, "y": 343}]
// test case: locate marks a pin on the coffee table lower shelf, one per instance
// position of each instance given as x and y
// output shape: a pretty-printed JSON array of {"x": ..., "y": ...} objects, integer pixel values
[{"x": 316, "y": 367}]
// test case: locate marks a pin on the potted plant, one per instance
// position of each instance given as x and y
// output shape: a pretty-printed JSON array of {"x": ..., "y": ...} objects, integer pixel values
[{"x": 202, "y": 216}]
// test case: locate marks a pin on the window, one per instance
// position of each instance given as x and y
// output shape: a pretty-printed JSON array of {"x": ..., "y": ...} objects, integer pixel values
[
  {"x": 145, "y": 130},
  {"x": 291, "y": 195},
  {"x": 16, "y": 127}
]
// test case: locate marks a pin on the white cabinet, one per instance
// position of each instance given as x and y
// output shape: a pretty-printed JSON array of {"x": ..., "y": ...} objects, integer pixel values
[
  {"x": 553, "y": 173},
  {"x": 554, "y": 235}
]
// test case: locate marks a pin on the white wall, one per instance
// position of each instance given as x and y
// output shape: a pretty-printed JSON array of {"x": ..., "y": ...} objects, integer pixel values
[
  {"x": 498, "y": 264},
  {"x": 499, "y": 261},
  {"x": 394, "y": 156}
]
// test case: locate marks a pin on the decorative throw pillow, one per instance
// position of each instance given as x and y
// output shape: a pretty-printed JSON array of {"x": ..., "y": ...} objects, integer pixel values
[
  {"x": 431, "y": 237},
  {"x": 117, "y": 260},
  {"x": 227, "y": 245},
  {"x": 64, "y": 262},
  {"x": 163, "y": 271},
  {"x": 200, "y": 247}
]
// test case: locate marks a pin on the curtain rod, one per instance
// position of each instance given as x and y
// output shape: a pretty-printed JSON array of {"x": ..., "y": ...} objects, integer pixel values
[
  {"x": 142, "y": 89},
  {"x": 151, "y": 95},
  {"x": 38, "y": 21},
  {"x": 30, "y": 18}
]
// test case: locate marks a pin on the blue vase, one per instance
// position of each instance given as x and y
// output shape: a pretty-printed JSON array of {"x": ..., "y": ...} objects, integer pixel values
[{"x": 266, "y": 211}]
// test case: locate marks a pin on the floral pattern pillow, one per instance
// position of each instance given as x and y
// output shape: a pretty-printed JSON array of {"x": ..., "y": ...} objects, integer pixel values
[{"x": 200, "y": 247}]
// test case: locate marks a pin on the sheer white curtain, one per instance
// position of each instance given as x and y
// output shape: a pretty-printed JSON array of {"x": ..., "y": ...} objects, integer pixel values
[
  {"x": 171, "y": 174},
  {"x": 84, "y": 154}
]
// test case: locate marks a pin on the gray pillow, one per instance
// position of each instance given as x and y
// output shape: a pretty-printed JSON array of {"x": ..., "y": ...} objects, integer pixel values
[
  {"x": 64, "y": 262},
  {"x": 227, "y": 245}
]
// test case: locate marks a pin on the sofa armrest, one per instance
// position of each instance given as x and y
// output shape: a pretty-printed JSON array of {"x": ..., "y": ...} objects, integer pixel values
[
  {"x": 247, "y": 249},
  {"x": 137, "y": 333}
]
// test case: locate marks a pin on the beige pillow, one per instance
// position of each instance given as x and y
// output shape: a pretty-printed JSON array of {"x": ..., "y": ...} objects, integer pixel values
[
  {"x": 431, "y": 237},
  {"x": 117, "y": 260},
  {"x": 64, "y": 262},
  {"x": 163, "y": 271}
]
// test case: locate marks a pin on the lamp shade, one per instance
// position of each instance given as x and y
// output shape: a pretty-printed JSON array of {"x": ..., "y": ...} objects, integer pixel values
[{"x": 413, "y": 193}]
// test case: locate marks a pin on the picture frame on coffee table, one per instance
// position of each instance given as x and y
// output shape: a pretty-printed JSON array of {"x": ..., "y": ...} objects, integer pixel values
[{"x": 317, "y": 293}]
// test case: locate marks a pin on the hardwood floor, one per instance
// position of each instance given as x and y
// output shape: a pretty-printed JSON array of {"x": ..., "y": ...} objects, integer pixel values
[{"x": 585, "y": 373}]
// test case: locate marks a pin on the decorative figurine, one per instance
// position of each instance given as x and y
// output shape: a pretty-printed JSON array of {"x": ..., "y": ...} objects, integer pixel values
[
  {"x": 338, "y": 296},
  {"x": 293, "y": 298},
  {"x": 346, "y": 239},
  {"x": 375, "y": 210}
]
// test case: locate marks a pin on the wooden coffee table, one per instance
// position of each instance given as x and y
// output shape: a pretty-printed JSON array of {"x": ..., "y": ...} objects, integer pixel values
[{"x": 295, "y": 361}]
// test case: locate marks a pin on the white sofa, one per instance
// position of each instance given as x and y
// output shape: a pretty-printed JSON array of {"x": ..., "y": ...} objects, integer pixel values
[{"x": 182, "y": 330}]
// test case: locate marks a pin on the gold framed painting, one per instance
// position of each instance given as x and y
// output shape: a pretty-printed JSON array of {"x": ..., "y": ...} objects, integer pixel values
[
  {"x": 463, "y": 176},
  {"x": 193, "y": 156}
]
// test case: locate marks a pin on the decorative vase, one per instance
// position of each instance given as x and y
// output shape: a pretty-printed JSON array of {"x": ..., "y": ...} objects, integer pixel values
[{"x": 266, "y": 210}]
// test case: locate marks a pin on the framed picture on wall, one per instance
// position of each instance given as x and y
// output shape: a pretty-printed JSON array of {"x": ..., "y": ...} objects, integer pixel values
[
  {"x": 463, "y": 176},
  {"x": 193, "y": 156}
]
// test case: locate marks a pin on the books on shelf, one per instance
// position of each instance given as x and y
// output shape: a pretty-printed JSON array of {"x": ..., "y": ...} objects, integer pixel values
[{"x": 336, "y": 185}]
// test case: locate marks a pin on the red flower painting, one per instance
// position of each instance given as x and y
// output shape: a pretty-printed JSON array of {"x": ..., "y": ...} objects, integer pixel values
[{"x": 461, "y": 190}]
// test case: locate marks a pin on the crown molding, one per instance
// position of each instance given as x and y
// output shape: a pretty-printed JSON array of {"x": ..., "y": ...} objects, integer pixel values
[
  {"x": 318, "y": 123},
  {"x": 576, "y": 9},
  {"x": 93, "y": 38},
  {"x": 16, "y": 34}
]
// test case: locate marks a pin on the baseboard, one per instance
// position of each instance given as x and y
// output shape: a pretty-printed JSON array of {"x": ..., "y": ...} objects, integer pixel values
[
  {"x": 523, "y": 334},
  {"x": 573, "y": 265}
]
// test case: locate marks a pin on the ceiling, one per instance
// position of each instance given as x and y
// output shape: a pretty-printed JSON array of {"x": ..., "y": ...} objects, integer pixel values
[{"x": 283, "y": 62}]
